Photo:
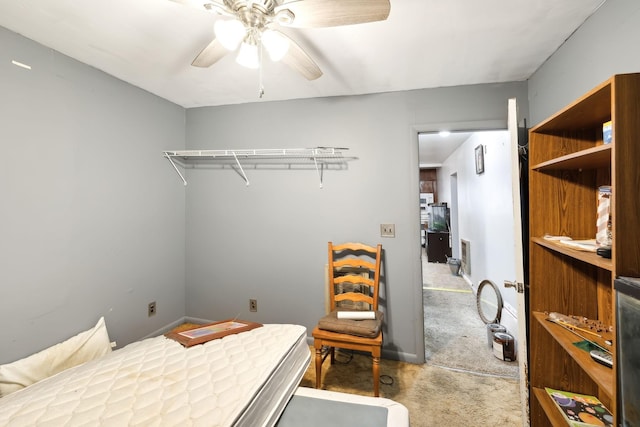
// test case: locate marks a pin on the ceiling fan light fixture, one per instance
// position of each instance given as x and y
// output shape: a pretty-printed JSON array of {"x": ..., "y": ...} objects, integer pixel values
[
  {"x": 245, "y": 21},
  {"x": 284, "y": 17},
  {"x": 248, "y": 55},
  {"x": 276, "y": 43},
  {"x": 229, "y": 32}
]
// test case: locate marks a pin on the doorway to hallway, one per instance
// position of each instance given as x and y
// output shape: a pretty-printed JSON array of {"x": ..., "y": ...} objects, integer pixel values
[{"x": 474, "y": 198}]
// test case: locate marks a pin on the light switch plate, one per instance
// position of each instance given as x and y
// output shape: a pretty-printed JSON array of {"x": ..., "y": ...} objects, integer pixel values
[{"x": 387, "y": 230}]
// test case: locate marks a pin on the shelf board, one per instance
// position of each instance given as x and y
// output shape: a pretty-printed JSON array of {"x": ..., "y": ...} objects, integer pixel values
[
  {"x": 589, "y": 111},
  {"x": 584, "y": 256},
  {"x": 591, "y": 158},
  {"x": 550, "y": 409},
  {"x": 601, "y": 375}
]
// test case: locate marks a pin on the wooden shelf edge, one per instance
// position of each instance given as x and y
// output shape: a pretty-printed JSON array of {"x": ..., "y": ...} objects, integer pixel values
[
  {"x": 600, "y": 374},
  {"x": 591, "y": 158},
  {"x": 549, "y": 408},
  {"x": 567, "y": 117},
  {"x": 588, "y": 257}
]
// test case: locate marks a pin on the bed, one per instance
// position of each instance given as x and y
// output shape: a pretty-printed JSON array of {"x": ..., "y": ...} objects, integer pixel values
[{"x": 243, "y": 379}]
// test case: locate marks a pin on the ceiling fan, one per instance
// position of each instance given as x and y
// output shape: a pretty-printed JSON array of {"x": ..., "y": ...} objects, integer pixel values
[{"x": 249, "y": 25}]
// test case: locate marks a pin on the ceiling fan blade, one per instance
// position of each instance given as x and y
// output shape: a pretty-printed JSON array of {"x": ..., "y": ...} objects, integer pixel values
[
  {"x": 298, "y": 59},
  {"x": 333, "y": 13},
  {"x": 211, "y": 54},
  {"x": 216, "y": 6},
  {"x": 196, "y": 4}
]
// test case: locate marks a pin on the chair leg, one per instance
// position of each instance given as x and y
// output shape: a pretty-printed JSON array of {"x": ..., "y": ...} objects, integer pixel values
[
  {"x": 318, "y": 367},
  {"x": 376, "y": 376}
]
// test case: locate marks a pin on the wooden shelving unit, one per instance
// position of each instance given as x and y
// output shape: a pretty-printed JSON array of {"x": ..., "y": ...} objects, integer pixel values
[{"x": 569, "y": 162}]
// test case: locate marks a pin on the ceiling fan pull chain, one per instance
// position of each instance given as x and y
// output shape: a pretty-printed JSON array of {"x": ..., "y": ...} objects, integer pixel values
[{"x": 261, "y": 86}]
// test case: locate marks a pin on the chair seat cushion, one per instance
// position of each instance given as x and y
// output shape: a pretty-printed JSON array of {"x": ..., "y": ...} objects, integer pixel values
[{"x": 368, "y": 328}]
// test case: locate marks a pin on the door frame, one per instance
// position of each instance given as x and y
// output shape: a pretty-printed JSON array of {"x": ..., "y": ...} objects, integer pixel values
[
  {"x": 468, "y": 126},
  {"x": 519, "y": 244}
]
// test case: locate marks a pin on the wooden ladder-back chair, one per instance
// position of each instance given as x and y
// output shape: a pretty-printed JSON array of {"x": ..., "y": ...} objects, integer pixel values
[{"x": 354, "y": 280}]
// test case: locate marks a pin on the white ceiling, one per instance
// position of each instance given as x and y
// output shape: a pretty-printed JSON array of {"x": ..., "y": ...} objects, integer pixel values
[
  {"x": 434, "y": 148},
  {"x": 423, "y": 44}
]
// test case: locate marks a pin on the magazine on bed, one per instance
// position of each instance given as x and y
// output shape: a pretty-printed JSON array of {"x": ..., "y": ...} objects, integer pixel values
[{"x": 581, "y": 410}]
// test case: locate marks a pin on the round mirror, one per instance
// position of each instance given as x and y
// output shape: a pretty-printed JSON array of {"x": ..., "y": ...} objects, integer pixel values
[{"x": 489, "y": 302}]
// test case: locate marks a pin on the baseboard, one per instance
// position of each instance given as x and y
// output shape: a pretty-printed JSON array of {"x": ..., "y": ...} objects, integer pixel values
[
  {"x": 197, "y": 320},
  {"x": 470, "y": 283},
  {"x": 175, "y": 323},
  {"x": 388, "y": 354},
  {"x": 165, "y": 329},
  {"x": 401, "y": 356},
  {"x": 509, "y": 320}
]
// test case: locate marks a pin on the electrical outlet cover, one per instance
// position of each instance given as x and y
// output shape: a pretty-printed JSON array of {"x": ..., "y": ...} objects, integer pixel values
[{"x": 151, "y": 309}]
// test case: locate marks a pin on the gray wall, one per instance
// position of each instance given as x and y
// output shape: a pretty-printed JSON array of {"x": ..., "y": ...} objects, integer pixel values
[
  {"x": 268, "y": 241},
  {"x": 91, "y": 223},
  {"x": 606, "y": 44},
  {"x": 87, "y": 230}
]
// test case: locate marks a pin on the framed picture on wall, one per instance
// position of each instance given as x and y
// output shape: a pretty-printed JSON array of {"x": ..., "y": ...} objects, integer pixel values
[
  {"x": 480, "y": 159},
  {"x": 211, "y": 331}
]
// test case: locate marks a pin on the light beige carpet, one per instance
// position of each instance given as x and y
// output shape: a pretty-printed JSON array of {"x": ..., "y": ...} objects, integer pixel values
[{"x": 434, "y": 396}]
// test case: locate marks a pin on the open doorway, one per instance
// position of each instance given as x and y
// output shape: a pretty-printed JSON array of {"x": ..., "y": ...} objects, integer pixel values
[{"x": 472, "y": 170}]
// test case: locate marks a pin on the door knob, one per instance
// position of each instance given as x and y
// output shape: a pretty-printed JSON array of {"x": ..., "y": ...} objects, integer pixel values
[{"x": 519, "y": 287}]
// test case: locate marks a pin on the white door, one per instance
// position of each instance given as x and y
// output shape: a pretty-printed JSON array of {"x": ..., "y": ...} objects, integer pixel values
[{"x": 517, "y": 283}]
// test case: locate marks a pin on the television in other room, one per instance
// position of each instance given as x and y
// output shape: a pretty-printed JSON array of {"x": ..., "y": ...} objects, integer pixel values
[{"x": 439, "y": 220}]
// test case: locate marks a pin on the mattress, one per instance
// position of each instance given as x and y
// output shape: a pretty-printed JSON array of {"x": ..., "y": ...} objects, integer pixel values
[
  {"x": 319, "y": 408},
  {"x": 244, "y": 379}
]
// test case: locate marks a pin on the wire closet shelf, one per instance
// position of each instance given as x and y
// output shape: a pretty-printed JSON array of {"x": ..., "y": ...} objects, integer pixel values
[{"x": 320, "y": 157}]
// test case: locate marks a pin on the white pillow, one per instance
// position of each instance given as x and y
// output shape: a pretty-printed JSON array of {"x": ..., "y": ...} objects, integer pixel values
[{"x": 85, "y": 346}]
